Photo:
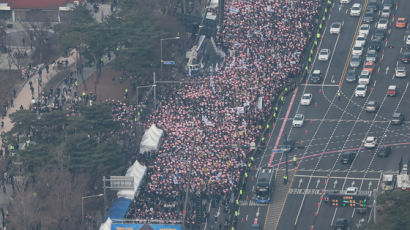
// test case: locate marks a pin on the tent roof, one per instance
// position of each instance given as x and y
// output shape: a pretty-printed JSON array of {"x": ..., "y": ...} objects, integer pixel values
[{"x": 150, "y": 140}]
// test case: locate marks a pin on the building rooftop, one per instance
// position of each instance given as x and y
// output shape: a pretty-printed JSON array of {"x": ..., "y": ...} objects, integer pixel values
[{"x": 37, "y": 4}]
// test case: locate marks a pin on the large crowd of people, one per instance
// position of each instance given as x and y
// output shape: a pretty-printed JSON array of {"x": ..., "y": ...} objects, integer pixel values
[{"x": 210, "y": 123}]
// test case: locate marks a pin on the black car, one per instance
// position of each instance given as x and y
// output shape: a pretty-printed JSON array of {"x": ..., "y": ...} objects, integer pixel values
[
  {"x": 347, "y": 157},
  {"x": 380, "y": 34},
  {"x": 405, "y": 57},
  {"x": 372, "y": 5},
  {"x": 397, "y": 119},
  {"x": 287, "y": 146},
  {"x": 368, "y": 16},
  {"x": 316, "y": 77},
  {"x": 384, "y": 151},
  {"x": 351, "y": 75},
  {"x": 341, "y": 224},
  {"x": 375, "y": 43}
]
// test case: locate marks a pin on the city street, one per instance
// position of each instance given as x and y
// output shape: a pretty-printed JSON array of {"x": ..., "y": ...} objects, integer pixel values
[{"x": 332, "y": 125}]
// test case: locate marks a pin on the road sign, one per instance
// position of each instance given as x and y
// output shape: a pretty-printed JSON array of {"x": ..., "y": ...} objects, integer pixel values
[
  {"x": 354, "y": 201},
  {"x": 168, "y": 62},
  {"x": 277, "y": 150}
]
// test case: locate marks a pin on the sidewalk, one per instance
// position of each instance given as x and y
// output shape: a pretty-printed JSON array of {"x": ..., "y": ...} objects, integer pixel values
[{"x": 24, "y": 96}]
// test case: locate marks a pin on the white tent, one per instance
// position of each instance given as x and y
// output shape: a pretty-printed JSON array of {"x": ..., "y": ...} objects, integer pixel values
[
  {"x": 150, "y": 140},
  {"x": 137, "y": 171},
  {"x": 106, "y": 225}
]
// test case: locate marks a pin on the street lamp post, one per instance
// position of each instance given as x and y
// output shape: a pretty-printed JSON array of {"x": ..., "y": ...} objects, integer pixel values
[
  {"x": 165, "y": 39},
  {"x": 82, "y": 204}
]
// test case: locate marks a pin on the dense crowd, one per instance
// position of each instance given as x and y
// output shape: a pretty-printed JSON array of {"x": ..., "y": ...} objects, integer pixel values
[{"x": 210, "y": 123}]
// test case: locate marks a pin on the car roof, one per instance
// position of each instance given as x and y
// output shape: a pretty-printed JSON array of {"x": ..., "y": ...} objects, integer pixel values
[
  {"x": 401, "y": 19},
  {"x": 356, "y": 5},
  {"x": 396, "y": 114},
  {"x": 299, "y": 115},
  {"x": 307, "y": 94},
  {"x": 392, "y": 87},
  {"x": 371, "y": 102},
  {"x": 316, "y": 71},
  {"x": 370, "y": 138},
  {"x": 362, "y": 86}
]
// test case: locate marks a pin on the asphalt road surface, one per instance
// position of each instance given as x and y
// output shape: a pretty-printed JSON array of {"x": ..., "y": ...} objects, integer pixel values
[{"x": 334, "y": 125}]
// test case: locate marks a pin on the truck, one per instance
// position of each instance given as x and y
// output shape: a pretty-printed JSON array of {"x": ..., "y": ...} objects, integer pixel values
[
  {"x": 388, "y": 181},
  {"x": 403, "y": 179},
  {"x": 264, "y": 185}
]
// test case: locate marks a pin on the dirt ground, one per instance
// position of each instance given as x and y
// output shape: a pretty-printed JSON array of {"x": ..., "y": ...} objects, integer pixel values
[
  {"x": 109, "y": 85},
  {"x": 9, "y": 80}
]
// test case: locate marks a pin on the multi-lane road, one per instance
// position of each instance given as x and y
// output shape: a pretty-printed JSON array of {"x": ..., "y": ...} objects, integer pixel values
[{"x": 334, "y": 125}]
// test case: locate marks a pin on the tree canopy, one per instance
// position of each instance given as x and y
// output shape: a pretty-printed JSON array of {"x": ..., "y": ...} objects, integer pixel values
[
  {"x": 86, "y": 143},
  {"x": 393, "y": 212}
]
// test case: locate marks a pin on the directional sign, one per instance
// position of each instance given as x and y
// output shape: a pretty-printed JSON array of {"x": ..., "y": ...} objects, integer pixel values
[
  {"x": 277, "y": 150},
  {"x": 168, "y": 62}
]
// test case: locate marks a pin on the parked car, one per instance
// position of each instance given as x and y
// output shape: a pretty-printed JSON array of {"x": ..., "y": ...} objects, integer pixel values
[
  {"x": 384, "y": 151},
  {"x": 397, "y": 119},
  {"x": 392, "y": 90}
]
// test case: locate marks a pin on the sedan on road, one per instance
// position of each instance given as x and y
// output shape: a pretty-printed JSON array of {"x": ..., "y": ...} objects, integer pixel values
[
  {"x": 370, "y": 142},
  {"x": 384, "y": 151},
  {"x": 364, "y": 29},
  {"x": 397, "y": 119},
  {"x": 408, "y": 40},
  {"x": 375, "y": 44},
  {"x": 324, "y": 55},
  {"x": 357, "y": 50},
  {"x": 386, "y": 12},
  {"x": 360, "y": 91},
  {"x": 400, "y": 71},
  {"x": 401, "y": 23},
  {"x": 351, "y": 75},
  {"x": 368, "y": 16},
  {"x": 371, "y": 106},
  {"x": 347, "y": 157},
  {"x": 364, "y": 77},
  {"x": 316, "y": 77},
  {"x": 392, "y": 90},
  {"x": 355, "y": 61},
  {"x": 379, "y": 34},
  {"x": 335, "y": 28},
  {"x": 382, "y": 24},
  {"x": 371, "y": 55},
  {"x": 369, "y": 66},
  {"x": 361, "y": 40},
  {"x": 405, "y": 57},
  {"x": 356, "y": 9},
  {"x": 298, "y": 120},
  {"x": 306, "y": 99}
]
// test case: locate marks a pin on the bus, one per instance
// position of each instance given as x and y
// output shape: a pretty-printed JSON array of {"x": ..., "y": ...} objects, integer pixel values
[{"x": 264, "y": 185}]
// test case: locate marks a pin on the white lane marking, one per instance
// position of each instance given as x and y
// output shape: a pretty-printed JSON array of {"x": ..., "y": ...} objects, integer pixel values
[
  {"x": 325, "y": 85},
  {"x": 317, "y": 183},
  {"x": 300, "y": 182},
  {"x": 353, "y": 183},
  {"x": 334, "y": 184},
  {"x": 331, "y": 58},
  {"x": 337, "y": 177},
  {"x": 374, "y": 84}
]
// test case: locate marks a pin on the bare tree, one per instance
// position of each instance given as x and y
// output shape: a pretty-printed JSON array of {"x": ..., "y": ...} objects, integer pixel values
[{"x": 50, "y": 200}]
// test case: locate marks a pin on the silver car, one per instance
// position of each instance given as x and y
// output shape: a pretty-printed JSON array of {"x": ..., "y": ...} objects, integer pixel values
[{"x": 355, "y": 61}]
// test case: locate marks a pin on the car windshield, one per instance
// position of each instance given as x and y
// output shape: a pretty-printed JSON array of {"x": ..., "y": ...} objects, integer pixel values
[
  {"x": 335, "y": 25},
  {"x": 360, "y": 88},
  {"x": 306, "y": 97},
  {"x": 298, "y": 118}
]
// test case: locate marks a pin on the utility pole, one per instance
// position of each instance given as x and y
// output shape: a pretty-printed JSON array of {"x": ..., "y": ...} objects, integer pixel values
[
  {"x": 375, "y": 206},
  {"x": 286, "y": 156},
  {"x": 155, "y": 92}
]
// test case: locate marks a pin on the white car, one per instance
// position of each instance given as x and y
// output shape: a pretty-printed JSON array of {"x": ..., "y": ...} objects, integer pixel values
[
  {"x": 360, "y": 40},
  {"x": 401, "y": 71},
  {"x": 356, "y": 9},
  {"x": 357, "y": 50},
  {"x": 298, "y": 120},
  {"x": 306, "y": 99},
  {"x": 360, "y": 91},
  {"x": 324, "y": 54},
  {"x": 382, "y": 24},
  {"x": 344, "y": 1},
  {"x": 408, "y": 40},
  {"x": 351, "y": 191},
  {"x": 386, "y": 12},
  {"x": 364, "y": 29},
  {"x": 335, "y": 28},
  {"x": 370, "y": 142},
  {"x": 364, "y": 77}
]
